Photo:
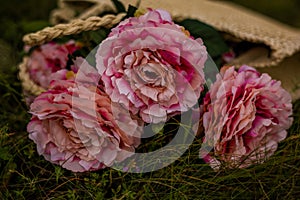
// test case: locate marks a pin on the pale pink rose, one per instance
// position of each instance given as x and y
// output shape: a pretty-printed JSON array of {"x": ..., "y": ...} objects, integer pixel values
[
  {"x": 75, "y": 125},
  {"x": 152, "y": 67},
  {"x": 246, "y": 115},
  {"x": 48, "y": 59}
]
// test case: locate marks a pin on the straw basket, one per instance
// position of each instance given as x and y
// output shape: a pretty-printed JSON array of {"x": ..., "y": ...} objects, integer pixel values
[{"x": 275, "y": 46}]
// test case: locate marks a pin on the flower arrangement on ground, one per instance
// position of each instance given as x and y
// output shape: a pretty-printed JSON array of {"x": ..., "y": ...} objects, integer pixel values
[{"x": 147, "y": 70}]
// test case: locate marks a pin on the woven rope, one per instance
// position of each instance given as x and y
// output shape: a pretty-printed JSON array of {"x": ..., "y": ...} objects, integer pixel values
[
  {"x": 27, "y": 84},
  {"x": 74, "y": 27}
]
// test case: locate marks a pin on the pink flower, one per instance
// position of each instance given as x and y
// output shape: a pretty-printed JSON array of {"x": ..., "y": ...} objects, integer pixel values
[
  {"x": 75, "y": 125},
  {"x": 246, "y": 115},
  {"x": 48, "y": 59},
  {"x": 152, "y": 67}
]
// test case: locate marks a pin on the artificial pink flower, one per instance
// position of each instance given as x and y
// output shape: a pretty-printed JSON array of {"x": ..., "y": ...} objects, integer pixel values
[
  {"x": 246, "y": 115},
  {"x": 152, "y": 66},
  {"x": 75, "y": 125},
  {"x": 48, "y": 59}
]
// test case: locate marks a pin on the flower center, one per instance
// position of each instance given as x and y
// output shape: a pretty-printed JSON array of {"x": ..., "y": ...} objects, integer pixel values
[{"x": 150, "y": 74}]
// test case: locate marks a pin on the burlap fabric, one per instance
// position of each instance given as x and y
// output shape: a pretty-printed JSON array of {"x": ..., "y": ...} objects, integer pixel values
[{"x": 275, "y": 52}]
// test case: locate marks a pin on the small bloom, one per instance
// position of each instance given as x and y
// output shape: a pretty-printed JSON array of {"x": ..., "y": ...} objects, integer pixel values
[
  {"x": 75, "y": 125},
  {"x": 47, "y": 59},
  {"x": 246, "y": 115},
  {"x": 152, "y": 67}
]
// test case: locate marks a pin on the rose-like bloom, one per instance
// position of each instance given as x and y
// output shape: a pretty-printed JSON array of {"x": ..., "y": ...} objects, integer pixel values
[
  {"x": 75, "y": 125},
  {"x": 152, "y": 66},
  {"x": 48, "y": 59},
  {"x": 246, "y": 115}
]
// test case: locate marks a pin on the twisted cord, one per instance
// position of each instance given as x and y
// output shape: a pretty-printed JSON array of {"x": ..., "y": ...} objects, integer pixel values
[{"x": 74, "y": 27}]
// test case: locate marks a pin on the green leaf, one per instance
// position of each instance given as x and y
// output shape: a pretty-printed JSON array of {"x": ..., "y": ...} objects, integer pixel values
[
  {"x": 131, "y": 10},
  {"x": 98, "y": 36},
  {"x": 91, "y": 57},
  {"x": 119, "y": 5}
]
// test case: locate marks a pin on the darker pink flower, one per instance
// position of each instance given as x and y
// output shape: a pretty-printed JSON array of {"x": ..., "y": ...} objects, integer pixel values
[
  {"x": 48, "y": 59},
  {"x": 75, "y": 125},
  {"x": 246, "y": 115},
  {"x": 152, "y": 66}
]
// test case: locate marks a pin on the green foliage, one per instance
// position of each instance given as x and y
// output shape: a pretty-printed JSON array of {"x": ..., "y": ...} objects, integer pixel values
[
  {"x": 120, "y": 7},
  {"x": 131, "y": 11}
]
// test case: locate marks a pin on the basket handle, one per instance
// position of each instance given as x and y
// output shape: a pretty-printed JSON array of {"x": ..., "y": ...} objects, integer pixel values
[{"x": 74, "y": 27}]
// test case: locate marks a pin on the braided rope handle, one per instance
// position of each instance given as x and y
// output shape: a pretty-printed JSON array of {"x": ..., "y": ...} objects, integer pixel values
[
  {"x": 74, "y": 27},
  {"x": 27, "y": 84}
]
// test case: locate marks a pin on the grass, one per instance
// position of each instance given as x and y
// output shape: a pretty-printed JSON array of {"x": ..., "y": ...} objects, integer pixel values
[{"x": 25, "y": 175}]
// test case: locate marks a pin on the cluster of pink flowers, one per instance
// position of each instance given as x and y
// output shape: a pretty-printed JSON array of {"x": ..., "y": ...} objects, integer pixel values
[{"x": 147, "y": 70}]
